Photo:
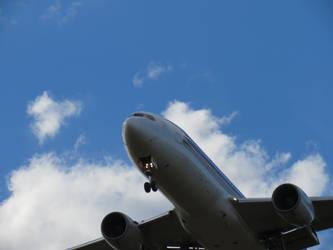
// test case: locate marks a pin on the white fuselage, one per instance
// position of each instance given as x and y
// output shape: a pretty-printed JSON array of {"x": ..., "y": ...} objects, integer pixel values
[{"x": 199, "y": 191}]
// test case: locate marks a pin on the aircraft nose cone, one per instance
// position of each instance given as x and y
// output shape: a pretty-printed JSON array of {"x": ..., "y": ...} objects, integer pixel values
[
  {"x": 137, "y": 134},
  {"x": 130, "y": 130}
]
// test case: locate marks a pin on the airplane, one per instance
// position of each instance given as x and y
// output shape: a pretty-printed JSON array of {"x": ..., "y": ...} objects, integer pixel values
[{"x": 209, "y": 211}]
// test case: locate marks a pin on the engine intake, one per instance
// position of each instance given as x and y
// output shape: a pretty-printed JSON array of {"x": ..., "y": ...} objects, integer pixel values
[
  {"x": 114, "y": 225},
  {"x": 293, "y": 205},
  {"x": 121, "y": 232}
]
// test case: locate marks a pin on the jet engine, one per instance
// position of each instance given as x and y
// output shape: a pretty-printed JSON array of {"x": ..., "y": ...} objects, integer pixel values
[
  {"x": 293, "y": 205},
  {"x": 121, "y": 232}
]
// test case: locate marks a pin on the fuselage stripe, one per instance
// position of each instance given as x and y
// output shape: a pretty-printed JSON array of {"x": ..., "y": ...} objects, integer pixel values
[{"x": 210, "y": 163}]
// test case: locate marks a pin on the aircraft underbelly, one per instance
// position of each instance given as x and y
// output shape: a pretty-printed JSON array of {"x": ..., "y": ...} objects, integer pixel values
[
  {"x": 220, "y": 235},
  {"x": 202, "y": 203}
]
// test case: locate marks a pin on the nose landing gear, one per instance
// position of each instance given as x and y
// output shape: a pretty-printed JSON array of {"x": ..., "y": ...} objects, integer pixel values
[
  {"x": 151, "y": 185},
  {"x": 148, "y": 165},
  {"x": 147, "y": 187}
]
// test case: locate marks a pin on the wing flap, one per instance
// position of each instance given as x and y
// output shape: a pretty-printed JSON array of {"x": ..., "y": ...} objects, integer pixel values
[{"x": 300, "y": 239}]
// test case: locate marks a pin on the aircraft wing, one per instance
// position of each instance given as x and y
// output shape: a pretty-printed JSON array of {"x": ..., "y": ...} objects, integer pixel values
[
  {"x": 324, "y": 212},
  {"x": 260, "y": 216},
  {"x": 162, "y": 231},
  {"x": 165, "y": 230},
  {"x": 99, "y": 244}
]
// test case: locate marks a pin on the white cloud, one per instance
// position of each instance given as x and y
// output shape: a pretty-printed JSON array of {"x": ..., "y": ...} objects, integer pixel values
[
  {"x": 58, "y": 202},
  {"x": 308, "y": 173},
  {"x": 138, "y": 80},
  {"x": 50, "y": 115},
  {"x": 81, "y": 140},
  {"x": 55, "y": 205},
  {"x": 227, "y": 119},
  {"x": 60, "y": 13},
  {"x": 153, "y": 72},
  {"x": 248, "y": 164}
]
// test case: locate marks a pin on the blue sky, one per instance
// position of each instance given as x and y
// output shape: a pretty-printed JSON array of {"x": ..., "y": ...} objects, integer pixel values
[{"x": 270, "y": 62}]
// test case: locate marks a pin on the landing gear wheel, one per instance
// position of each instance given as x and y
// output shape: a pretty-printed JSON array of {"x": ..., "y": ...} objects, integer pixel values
[
  {"x": 147, "y": 187},
  {"x": 153, "y": 186}
]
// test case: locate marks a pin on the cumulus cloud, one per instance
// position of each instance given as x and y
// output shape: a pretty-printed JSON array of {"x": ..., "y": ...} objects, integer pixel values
[
  {"x": 58, "y": 201},
  {"x": 62, "y": 14},
  {"x": 248, "y": 164},
  {"x": 55, "y": 204},
  {"x": 50, "y": 115},
  {"x": 153, "y": 72}
]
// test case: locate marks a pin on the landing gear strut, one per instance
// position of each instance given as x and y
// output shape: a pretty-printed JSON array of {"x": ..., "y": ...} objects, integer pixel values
[
  {"x": 151, "y": 185},
  {"x": 148, "y": 165}
]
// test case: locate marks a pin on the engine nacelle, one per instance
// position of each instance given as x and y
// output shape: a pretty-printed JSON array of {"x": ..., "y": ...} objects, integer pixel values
[
  {"x": 293, "y": 205},
  {"x": 121, "y": 232}
]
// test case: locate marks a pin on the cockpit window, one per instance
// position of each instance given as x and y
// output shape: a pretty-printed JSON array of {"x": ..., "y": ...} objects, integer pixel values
[
  {"x": 149, "y": 116},
  {"x": 139, "y": 114}
]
